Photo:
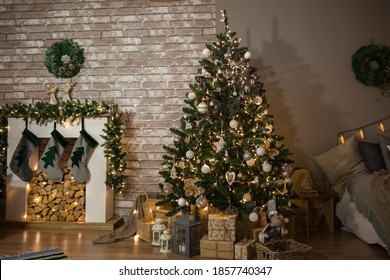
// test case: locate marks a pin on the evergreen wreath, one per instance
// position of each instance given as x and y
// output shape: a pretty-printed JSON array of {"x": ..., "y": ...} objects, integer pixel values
[
  {"x": 371, "y": 65},
  {"x": 64, "y": 59}
]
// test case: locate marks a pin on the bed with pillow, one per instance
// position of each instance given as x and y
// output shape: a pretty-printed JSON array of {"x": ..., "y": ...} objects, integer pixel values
[{"x": 359, "y": 173}]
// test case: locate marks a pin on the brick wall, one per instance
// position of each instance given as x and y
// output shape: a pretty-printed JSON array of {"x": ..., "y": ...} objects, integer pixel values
[{"x": 142, "y": 55}]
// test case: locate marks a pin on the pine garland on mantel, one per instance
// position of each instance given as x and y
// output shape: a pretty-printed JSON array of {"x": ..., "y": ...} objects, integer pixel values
[{"x": 43, "y": 113}]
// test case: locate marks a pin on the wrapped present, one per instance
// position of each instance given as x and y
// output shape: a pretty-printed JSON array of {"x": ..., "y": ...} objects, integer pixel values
[
  {"x": 144, "y": 230},
  {"x": 244, "y": 249},
  {"x": 216, "y": 249},
  {"x": 221, "y": 228}
]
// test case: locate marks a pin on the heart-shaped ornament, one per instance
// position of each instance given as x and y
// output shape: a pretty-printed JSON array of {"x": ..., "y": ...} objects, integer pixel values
[{"x": 230, "y": 177}]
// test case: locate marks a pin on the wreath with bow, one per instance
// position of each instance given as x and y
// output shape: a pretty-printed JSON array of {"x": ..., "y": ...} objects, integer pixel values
[
  {"x": 64, "y": 59},
  {"x": 371, "y": 65}
]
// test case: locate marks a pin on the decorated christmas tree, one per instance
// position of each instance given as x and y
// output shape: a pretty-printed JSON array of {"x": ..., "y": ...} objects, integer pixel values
[{"x": 225, "y": 153}]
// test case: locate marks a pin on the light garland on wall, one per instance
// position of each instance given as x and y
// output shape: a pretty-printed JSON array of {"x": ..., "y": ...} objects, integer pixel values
[
  {"x": 43, "y": 113},
  {"x": 381, "y": 126}
]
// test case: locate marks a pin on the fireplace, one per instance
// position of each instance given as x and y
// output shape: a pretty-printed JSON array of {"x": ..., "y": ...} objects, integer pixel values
[{"x": 99, "y": 200}]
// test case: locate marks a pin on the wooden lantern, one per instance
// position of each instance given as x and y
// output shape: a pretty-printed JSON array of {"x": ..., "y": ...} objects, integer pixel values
[{"x": 187, "y": 232}]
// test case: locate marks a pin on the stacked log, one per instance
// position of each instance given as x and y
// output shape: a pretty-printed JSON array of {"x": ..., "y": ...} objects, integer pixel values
[{"x": 62, "y": 201}]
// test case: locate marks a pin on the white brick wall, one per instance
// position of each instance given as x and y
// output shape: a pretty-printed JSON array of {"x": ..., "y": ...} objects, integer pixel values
[{"x": 141, "y": 55}]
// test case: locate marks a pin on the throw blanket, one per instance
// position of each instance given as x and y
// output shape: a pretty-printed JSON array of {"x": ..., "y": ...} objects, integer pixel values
[
  {"x": 371, "y": 194},
  {"x": 130, "y": 224},
  {"x": 47, "y": 254}
]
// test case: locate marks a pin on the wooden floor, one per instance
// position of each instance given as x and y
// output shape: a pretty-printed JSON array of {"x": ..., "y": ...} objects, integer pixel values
[{"x": 77, "y": 245}]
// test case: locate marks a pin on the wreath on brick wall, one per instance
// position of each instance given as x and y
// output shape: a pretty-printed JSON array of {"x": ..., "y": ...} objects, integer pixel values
[
  {"x": 64, "y": 59},
  {"x": 371, "y": 65}
]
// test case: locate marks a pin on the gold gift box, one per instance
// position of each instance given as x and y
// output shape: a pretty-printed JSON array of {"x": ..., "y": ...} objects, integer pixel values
[
  {"x": 216, "y": 249},
  {"x": 244, "y": 249},
  {"x": 221, "y": 228}
]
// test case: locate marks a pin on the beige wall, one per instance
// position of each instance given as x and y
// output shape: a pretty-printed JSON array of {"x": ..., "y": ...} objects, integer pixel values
[
  {"x": 141, "y": 55},
  {"x": 303, "y": 51}
]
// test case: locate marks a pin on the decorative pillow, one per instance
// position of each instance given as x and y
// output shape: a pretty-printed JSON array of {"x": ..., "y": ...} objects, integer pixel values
[
  {"x": 340, "y": 162},
  {"x": 372, "y": 156},
  {"x": 384, "y": 144}
]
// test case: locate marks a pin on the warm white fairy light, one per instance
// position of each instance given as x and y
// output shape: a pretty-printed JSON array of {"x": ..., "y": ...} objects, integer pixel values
[{"x": 382, "y": 127}]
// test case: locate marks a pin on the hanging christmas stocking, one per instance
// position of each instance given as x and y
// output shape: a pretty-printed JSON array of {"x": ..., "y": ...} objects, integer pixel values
[
  {"x": 77, "y": 161},
  {"x": 19, "y": 163},
  {"x": 49, "y": 162}
]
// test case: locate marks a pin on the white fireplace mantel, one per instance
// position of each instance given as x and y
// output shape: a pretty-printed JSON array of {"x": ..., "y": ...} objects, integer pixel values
[{"x": 99, "y": 199}]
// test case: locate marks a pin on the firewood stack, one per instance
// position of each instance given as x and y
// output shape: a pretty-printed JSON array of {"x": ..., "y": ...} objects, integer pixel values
[{"x": 48, "y": 201}]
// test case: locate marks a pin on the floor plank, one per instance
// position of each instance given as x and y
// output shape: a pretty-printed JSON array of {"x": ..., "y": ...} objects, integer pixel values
[{"x": 77, "y": 245}]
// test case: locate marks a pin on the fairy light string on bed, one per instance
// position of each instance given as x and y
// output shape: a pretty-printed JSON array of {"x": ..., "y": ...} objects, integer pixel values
[{"x": 381, "y": 126}]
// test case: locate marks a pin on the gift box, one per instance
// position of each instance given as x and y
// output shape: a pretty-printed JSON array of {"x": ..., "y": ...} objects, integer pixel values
[
  {"x": 221, "y": 228},
  {"x": 216, "y": 249},
  {"x": 244, "y": 249}
]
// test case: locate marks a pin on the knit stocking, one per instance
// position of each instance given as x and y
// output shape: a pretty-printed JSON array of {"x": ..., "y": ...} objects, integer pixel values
[
  {"x": 77, "y": 161},
  {"x": 19, "y": 163},
  {"x": 49, "y": 162}
]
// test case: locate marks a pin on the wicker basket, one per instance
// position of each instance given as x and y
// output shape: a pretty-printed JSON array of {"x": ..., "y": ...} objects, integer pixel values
[
  {"x": 148, "y": 205},
  {"x": 283, "y": 249},
  {"x": 144, "y": 230}
]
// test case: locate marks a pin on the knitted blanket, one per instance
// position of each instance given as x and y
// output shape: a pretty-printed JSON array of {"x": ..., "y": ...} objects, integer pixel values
[
  {"x": 128, "y": 229},
  {"x": 372, "y": 201}
]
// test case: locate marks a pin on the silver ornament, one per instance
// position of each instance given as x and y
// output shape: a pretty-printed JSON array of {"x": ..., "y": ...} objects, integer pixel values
[
  {"x": 190, "y": 154},
  {"x": 286, "y": 170},
  {"x": 247, "y": 55},
  {"x": 201, "y": 202},
  {"x": 247, "y": 155},
  {"x": 253, "y": 217},
  {"x": 260, "y": 151},
  {"x": 202, "y": 107},
  {"x": 167, "y": 189}
]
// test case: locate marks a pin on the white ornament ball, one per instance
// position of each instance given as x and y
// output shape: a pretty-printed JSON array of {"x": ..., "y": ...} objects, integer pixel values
[
  {"x": 267, "y": 167},
  {"x": 191, "y": 95},
  {"x": 167, "y": 189},
  {"x": 235, "y": 93},
  {"x": 206, "y": 52},
  {"x": 253, "y": 217},
  {"x": 202, "y": 107},
  {"x": 205, "y": 169},
  {"x": 201, "y": 202},
  {"x": 181, "y": 202},
  {"x": 247, "y": 55},
  {"x": 233, "y": 124},
  {"x": 260, "y": 151},
  {"x": 220, "y": 71},
  {"x": 190, "y": 154},
  {"x": 247, "y": 155}
]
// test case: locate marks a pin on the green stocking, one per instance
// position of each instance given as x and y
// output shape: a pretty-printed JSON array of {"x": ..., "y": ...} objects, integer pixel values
[
  {"x": 77, "y": 161},
  {"x": 19, "y": 163},
  {"x": 49, "y": 162}
]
